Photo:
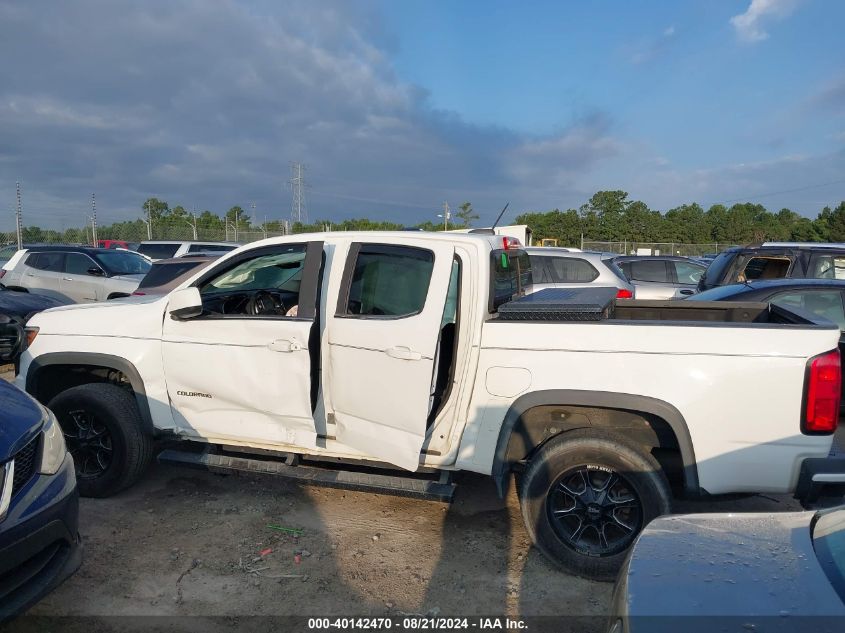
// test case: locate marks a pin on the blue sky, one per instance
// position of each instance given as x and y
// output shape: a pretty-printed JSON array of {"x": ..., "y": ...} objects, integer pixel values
[{"x": 397, "y": 105}]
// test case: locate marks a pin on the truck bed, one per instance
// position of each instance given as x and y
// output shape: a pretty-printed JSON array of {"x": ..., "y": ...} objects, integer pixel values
[{"x": 559, "y": 305}]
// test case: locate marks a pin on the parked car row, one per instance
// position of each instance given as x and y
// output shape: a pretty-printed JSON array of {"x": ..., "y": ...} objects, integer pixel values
[
  {"x": 634, "y": 276},
  {"x": 82, "y": 274}
]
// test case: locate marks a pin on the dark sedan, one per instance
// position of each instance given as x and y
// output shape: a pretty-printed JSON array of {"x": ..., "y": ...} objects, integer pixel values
[
  {"x": 735, "y": 572},
  {"x": 22, "y": 305},
  {"x": 39, "y": 504}
]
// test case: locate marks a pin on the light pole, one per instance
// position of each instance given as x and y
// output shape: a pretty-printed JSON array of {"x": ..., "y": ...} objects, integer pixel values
[{"x": 446, "y": 215}]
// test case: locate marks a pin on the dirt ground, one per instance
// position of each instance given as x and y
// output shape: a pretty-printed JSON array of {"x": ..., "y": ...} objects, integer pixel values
[{"x": 187, "y": 542}]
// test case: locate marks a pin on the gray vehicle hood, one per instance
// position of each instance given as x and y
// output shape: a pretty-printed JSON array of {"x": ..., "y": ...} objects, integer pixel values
[
  {"x": 756, "y": 564},
  {"x": 130, "y": 278}
]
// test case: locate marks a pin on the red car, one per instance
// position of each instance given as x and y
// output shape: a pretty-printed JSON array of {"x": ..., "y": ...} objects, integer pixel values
[{"x": 112, "y": 244}]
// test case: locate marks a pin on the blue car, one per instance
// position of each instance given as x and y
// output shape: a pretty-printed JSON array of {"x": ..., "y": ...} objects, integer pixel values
[{"x": 39, "y": 504}]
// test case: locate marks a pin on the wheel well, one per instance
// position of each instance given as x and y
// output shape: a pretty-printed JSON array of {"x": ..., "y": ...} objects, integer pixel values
[
  {"x": 653, "y": 434},
  {"x": 53, "y": 379}
]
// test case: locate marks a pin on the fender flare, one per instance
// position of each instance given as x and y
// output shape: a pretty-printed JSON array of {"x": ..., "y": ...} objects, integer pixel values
[
  {"x": 100, "y": 360},
  {"x": 598, "y": 399}
]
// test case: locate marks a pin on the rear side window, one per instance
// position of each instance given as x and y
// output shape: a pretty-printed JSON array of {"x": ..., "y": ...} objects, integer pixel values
[
  {"x": 52, "y": 262},
  {"x": 389, "y": 281},
  {"x": 511, "y": 275},
  {"x": 823, "y": 303},
  {"x": 824, "y": 266},
  {"x": 687, "y": 272},
  {"x": 158, "y": 251},
  {"x": 765, "y": 268},
  {"x": 570, "y": 270},
  {"x": 646, "y": 270},
  {"x": 161, "y": 274},
  {"x": 77, "y": 264}
]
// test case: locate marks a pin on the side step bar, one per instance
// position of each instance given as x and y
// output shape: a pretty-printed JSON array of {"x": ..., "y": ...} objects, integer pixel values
[{"x": 436, "y": 490}]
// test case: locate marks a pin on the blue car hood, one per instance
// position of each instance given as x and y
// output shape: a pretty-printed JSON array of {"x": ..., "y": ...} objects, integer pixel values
[
  {"x": 20, "y": 304},
  {"x": 20, "y": 419}
]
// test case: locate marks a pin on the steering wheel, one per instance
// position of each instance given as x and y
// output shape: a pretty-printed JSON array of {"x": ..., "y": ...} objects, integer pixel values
[{"x": 263, "y": 302}]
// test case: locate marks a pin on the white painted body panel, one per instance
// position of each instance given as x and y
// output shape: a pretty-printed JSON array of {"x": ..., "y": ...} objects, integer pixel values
[{"x": 738, "y": 386}]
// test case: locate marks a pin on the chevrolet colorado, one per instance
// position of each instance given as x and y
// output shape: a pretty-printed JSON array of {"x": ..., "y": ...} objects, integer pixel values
[{"x": 347, "y": 358}]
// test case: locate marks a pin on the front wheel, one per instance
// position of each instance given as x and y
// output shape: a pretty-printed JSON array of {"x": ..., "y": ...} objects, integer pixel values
[
  {"x": 585, "y": 497},
  {"x": 102, "y": 428}
]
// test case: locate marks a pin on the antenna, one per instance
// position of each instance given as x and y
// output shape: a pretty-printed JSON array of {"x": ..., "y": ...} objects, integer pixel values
[{"x": 496, "y": 223}]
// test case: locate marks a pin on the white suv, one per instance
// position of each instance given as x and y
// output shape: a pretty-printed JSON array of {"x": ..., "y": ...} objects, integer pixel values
[{"x": 77, "y": 273}]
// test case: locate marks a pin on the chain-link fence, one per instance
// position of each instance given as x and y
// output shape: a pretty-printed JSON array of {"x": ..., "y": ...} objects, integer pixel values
[
  {"x": 132, "y": 234},
  {"x": 626, "y": 247}
]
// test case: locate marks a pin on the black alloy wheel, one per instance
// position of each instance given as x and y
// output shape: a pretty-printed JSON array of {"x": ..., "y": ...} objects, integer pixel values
[
  {"x": 89, "y": 443},
  {"x": 594, "y": 511}
]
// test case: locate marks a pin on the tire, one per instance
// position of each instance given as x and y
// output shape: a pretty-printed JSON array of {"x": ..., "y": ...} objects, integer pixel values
[
  {"x": 102, "y": 428},
  {"x": 627, "y": 489}
]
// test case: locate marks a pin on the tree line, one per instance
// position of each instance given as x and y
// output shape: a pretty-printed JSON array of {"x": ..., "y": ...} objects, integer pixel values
[
  {"x": 606, "y": 216},
  {"x": 612, "y": 216}
]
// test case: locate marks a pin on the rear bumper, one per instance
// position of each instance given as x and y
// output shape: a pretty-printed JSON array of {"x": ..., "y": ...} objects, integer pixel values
[{"x": 821, "y": 482}]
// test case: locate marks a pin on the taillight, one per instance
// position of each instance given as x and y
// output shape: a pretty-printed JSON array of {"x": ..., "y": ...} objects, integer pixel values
[
  {"x": 824, "y": 390},
  {"x": 509, "y": 243},
  {"x": 624, "y": 293},
  {"x": 2, "y": 273},
  {"x": 139, "y": 293}
]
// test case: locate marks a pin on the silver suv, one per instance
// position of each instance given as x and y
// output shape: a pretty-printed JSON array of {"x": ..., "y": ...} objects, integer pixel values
[
  {"x": 660, "y": 276},
  {"x": 560, "y": 268},
  {"x": 75, "y": 273}
]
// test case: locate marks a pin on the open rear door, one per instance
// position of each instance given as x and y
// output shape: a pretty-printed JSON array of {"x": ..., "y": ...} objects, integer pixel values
[{"x": 383, "y": 342}]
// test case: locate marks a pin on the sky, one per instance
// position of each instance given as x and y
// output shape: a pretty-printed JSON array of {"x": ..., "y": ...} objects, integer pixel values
[{"x": 395, "y": 106}]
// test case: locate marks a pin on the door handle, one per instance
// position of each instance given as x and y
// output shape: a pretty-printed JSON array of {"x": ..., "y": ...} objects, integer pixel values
[
  {"x": 67, "y": 278},
  {"x": 285, "y": 345},
  {"x": 686, "y": 292},
  {"x": 403, "y": 353}
]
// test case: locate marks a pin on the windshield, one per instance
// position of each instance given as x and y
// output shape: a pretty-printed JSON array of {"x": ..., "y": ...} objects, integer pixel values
[
  {"x": 829, "y": 543},
  {"x": 123, "y": 263},
  {"x": 159, "y": 251},
  {"x": 717, "y": 267}
]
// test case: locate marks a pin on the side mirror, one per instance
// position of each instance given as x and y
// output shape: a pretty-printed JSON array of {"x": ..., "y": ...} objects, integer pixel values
[
  {"x": 96, "y": 271},
  {"x": 185, "y": 304}
]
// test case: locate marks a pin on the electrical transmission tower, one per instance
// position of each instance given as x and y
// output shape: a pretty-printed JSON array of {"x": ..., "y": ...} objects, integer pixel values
[
  {"x": 297, "y": 187},
  {"x": 18, "y": 215},
  {"x": 94, "y": 220}
]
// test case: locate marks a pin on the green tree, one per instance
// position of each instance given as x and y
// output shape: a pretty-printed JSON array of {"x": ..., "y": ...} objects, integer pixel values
[{"x": 466, "y": 214}]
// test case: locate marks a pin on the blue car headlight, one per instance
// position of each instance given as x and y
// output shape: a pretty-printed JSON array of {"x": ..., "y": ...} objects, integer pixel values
[{"x": 53, "y": 445}]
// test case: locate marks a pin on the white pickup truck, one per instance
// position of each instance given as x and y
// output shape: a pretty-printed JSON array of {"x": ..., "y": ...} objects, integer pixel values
[{"x": 386, "y": 361}]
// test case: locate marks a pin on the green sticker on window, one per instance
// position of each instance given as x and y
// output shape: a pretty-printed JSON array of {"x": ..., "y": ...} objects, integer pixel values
[{"x": 504, "y": 260}]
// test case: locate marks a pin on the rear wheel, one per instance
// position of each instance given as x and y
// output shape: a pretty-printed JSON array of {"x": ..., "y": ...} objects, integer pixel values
[
  {"x": 585, "y": 497},
  {"x": 102, "y": 428}
]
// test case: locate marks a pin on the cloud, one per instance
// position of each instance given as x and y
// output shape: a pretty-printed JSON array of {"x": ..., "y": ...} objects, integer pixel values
[
  {"x": 205, "y": 102},
  {"x": 748, "y": 25},
  {"x": 647, "y": 49}
]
